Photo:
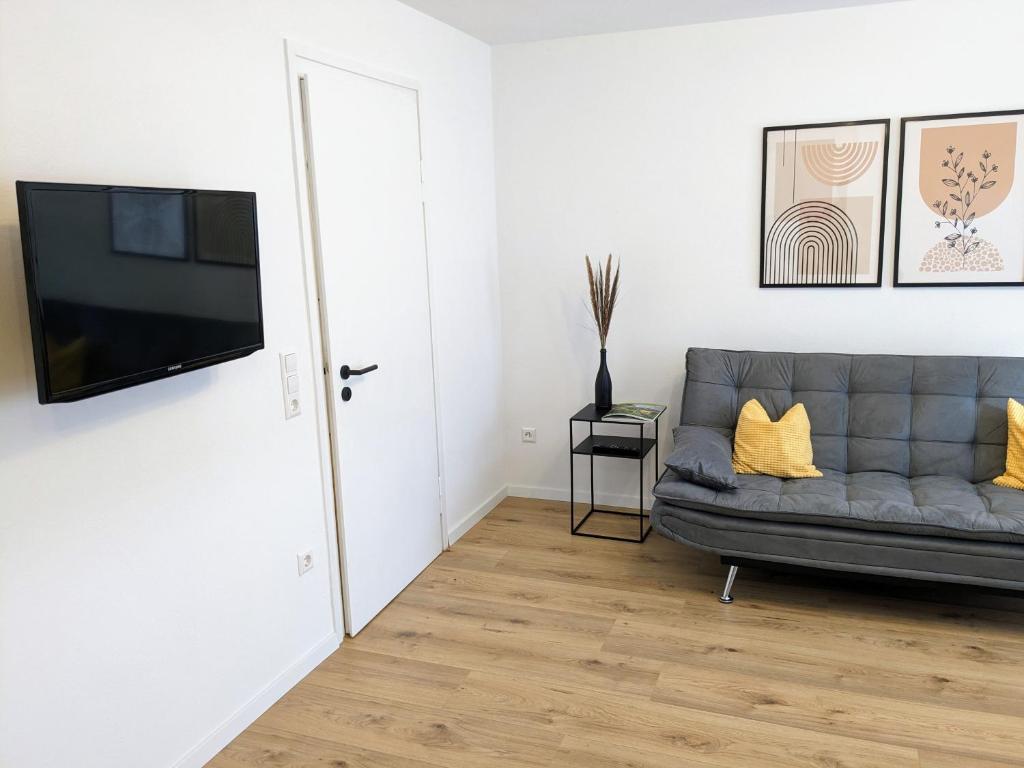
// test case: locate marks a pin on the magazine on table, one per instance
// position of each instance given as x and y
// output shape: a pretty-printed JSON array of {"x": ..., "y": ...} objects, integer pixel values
[{"x": 639, "y": 412}]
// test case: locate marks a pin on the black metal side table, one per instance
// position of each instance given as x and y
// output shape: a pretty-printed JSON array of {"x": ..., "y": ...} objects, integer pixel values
[{"x": 612, "y": 446}]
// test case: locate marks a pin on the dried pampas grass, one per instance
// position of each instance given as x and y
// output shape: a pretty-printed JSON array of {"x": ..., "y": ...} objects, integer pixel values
[{"x": 604, "y": 292}]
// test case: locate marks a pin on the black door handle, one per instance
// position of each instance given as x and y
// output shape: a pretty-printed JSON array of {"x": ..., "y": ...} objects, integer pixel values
[{"x": 346, "y": 371}]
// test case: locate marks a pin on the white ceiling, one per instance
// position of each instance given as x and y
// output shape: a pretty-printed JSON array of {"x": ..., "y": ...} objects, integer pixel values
[{"x": 519, "y": 21}]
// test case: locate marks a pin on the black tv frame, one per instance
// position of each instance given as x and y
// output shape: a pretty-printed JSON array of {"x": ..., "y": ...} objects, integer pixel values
[{"x": 46, "y": 394}]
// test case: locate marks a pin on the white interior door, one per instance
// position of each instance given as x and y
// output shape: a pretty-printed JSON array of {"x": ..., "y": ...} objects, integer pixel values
[{"x": 363, "y": 164}]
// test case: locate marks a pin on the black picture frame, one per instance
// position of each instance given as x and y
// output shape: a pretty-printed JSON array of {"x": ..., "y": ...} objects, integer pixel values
[
  {"x": 882, "y": 200},
  {"x": 896, "y": 283}
]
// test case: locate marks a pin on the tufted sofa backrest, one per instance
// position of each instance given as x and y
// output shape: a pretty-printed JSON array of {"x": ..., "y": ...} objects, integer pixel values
[{"x": 909, "y": 415}]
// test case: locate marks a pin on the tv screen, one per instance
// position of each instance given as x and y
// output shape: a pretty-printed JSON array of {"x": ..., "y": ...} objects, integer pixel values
[{"x": 130, "y": 284}]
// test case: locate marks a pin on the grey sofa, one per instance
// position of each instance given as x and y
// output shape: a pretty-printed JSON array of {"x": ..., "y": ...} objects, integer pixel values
[{"x": 908, "y": 447}]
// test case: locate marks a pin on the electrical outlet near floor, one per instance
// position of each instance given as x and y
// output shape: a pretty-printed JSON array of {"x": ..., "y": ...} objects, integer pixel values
[
  {"x": 305, "y": 562},
  {"x": 529, "y": 435}
]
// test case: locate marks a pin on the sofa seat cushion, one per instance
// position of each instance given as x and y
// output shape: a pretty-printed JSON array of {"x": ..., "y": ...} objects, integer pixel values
[{"x": 933, "y": 505}]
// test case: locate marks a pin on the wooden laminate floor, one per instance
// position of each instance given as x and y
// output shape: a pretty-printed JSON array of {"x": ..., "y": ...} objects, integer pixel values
[{"x": 523, "y": 646}]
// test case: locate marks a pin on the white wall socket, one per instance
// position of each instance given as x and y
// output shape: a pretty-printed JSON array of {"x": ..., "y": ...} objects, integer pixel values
[
  {"x": 529, "y": 435},
  {"x": 305, "y": 562}
]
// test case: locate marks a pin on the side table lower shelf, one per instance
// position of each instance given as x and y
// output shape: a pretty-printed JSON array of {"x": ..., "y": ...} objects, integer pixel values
[
  {"x": 615, "y": 447},
  {"x": 642, "y": 515}
]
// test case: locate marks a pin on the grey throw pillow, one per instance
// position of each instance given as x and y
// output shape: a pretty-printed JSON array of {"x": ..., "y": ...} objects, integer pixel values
[{"x": 702, "y": 456}]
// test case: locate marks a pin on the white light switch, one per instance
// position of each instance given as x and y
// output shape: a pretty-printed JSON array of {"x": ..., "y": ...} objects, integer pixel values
[{"x": 290, "y": 384}]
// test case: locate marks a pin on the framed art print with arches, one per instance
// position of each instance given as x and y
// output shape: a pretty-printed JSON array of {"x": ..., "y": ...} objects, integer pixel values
[{"x": 823, "y": 204}]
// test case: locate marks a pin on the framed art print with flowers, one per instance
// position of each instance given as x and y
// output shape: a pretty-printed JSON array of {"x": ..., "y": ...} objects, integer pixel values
[{"x": 959, "y": 214}]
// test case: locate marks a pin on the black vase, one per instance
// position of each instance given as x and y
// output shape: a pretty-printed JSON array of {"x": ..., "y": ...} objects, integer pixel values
[{"x": 603, "y": 384}]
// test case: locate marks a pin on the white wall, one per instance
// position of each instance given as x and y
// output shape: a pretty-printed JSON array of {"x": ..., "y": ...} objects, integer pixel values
[
  {"x": 648, "y": 145},
  {"x": 148, "y": 582}
]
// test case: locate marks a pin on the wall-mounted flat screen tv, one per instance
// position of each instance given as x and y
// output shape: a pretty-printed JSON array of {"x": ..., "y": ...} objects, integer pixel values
[{"x": 131, "y": 284}]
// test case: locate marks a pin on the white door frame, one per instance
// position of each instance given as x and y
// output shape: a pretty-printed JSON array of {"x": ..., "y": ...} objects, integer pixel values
[{"x": 295, "y": 55}]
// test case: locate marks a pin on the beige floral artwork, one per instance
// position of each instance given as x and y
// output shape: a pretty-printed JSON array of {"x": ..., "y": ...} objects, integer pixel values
[{"x": 966, "y": 173}]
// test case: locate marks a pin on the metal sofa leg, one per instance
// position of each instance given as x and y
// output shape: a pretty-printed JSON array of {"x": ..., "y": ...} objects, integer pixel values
[{"x": 729, "y": 579}]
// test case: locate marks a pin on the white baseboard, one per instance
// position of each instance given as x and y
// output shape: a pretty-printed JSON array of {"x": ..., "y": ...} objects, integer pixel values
[
  {"x": 476, "y": 515},
  {"x": 223, "y": 734},
  {"x": 562, "y": 494}
]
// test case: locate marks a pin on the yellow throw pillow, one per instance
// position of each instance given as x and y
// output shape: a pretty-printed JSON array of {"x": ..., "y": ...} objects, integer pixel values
[
  {"x": 1013, "y": 477},
  {"x": 779, "y": 448}
]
